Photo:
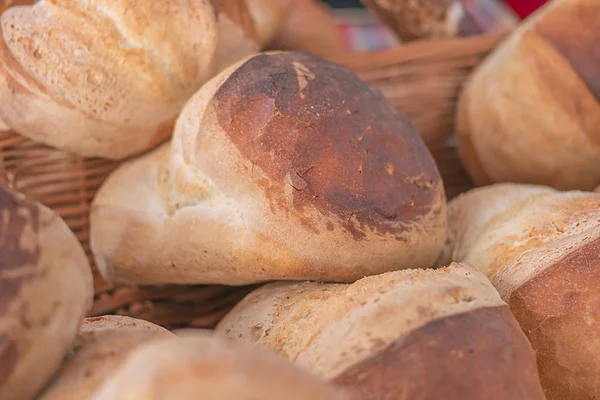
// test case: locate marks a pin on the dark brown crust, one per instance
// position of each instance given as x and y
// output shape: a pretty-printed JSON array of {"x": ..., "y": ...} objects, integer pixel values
[
  {"x": 237, "y": 11},
  {"x": 481, "y": 354},
  {"x": 573, "y": 29},
  {"x": 17, "y": 218},
  {"x": 338, "y": 143},
  {"x": 559, "y": 310}
]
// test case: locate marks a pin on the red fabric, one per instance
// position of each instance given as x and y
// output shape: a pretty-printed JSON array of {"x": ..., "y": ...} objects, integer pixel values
[{"x": 525, "y": 7}]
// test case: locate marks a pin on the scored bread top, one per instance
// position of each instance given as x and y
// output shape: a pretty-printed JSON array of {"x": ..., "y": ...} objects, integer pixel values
[
  {"x": 331, "y": 327},
  {"x": 536, "y": 229}
]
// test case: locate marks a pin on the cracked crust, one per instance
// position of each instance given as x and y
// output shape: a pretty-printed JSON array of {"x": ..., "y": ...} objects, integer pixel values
[
  {"x": 357, "y": 334},
  {"x": 282, "y": 167},
  {"x": 530, "y": 113},
  {"x": 206, "y": 366},
  {"x": 102, "y": 92},
  {"x": 540, "y": 249},
  {"x": 101, "y": 346},
  {"x": 45, "y": 291}
]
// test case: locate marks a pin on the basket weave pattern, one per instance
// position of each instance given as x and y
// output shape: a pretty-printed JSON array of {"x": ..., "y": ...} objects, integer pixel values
[{"x": 422, "y": 79}]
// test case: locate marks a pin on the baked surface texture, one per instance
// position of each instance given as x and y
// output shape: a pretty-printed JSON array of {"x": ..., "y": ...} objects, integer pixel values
[
  {"x": 284, "y": 166},
  {"x": 406, "y": 334},
  {"x": 45, "y": 291},
  {"x": 530, "y": 112},
  {"x": 540, "y": 249}
]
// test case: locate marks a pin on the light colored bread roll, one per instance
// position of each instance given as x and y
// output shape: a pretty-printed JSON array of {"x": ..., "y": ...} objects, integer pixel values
[
  {"x": 414, "y": 334},
  {"x": 208, "y": 367},
  {"x": 112, "y": 89},
  {"x": 412, "y": 20},
  {"x": 282, "y": 167},
  {"x": 45, "y": 291},
  {"x": 101, "y": 346},
  {"x": 531, "y": 112},
  {"x": 541, "y": 250}
]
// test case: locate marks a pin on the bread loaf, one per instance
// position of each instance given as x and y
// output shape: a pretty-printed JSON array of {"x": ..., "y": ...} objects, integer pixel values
[
  {"x": 412, "y": 20},
  {"x": 4, "y": 4},
  {"x": 414, "y": 334},
  {"x": 112, "y": 89},
  {"x": 282, "y": 167},
  {"x": 531, "y": 112},
  {"x": 540, "y": 248},
  {"x": 208, "y": 367},
  {"x": 101, "y": 346},
  {"x": 45, "y": 292}
]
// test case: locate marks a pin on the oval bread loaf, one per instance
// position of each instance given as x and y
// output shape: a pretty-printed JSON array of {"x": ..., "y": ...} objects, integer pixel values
[
  {"x": 112, "y": 89},
  {"x": 414, "y": 334},
  {"x": 101, "y": 346},
  {"x": 208, "y": 367},
  {"x": 540, "y": 248},
  {"x": 45, "y": 291},
  {"x": 530, "y": 112},
  {"x": 284, "y": 166}
]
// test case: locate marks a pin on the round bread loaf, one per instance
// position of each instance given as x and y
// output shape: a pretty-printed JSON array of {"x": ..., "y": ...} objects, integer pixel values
[
  {"x": 530, "y": 112},
  {"x": 45, "y": 291},
  {"x": 112, "y": 89},
  {"x": 282, "y": 167},
  {"x": 424, "y": 19},
  {"x": 540, "y": 248},
  {"x": 101, "y": 346},
  {"x": 414, "y": 334},
  {"x": 208, "y": 367}
]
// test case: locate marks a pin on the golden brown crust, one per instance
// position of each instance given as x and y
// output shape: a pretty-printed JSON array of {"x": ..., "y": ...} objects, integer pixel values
[
  {"x": 573, "y": 29},
  {"x": 102, "y": 92},
  {"x": 413, "y": 20},
  {"x": 340, "y": 145},
  {"x": 481, "y": 354},
  {"x": 559, "y": 310},
  {"x": 45, "y": 291},
  {"x": 400, "y": 332},
  {"x": 530, "y": 112},
  {"x": 285, "y": 164}
]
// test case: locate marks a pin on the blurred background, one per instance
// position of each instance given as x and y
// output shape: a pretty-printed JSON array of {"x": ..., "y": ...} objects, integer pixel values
[{"x": 363, "y": 32}]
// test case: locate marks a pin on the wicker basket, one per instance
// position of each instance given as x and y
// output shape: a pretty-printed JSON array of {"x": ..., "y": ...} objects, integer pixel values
[{"x": 422, "y": 79}]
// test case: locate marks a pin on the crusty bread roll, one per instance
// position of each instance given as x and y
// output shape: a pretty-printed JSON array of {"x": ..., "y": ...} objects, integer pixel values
[
  {"x": 414, "y": 334},
  {"x": 45, "y": 291},
  {"x": 112, "y": 89},
  {"x": 282, "y": 167},
  {"x": 540, "y": 248},
  {"x": 209, "y": 367},
  {"x": 531, "y": 112},
  {"x": 412, "y": 20},
  {"x": 101, "y": 346}
]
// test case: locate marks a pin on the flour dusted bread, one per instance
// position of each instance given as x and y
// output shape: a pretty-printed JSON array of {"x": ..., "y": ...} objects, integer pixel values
[
  {"x": 540, "y": 248},
  {"x": 101, "y": 346},
  {"x": 282, "y": 167},
  {"x": 531, "y": 112},
  {"x": 414, "y": 334},
  {"x": 209, "y": 367},
  {"x": 103, "y": 78},
  {"x": 45, "y": 292}
]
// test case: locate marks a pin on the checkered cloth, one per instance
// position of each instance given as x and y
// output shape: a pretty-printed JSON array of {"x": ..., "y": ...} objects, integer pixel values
[{"x": 362, "y": 31}]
